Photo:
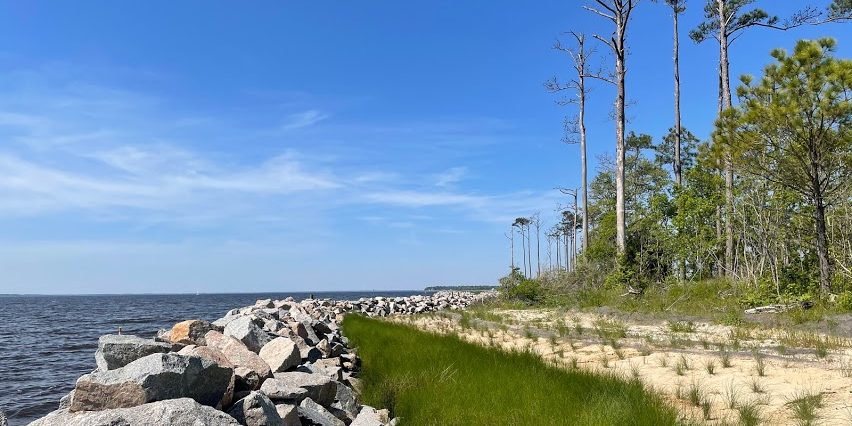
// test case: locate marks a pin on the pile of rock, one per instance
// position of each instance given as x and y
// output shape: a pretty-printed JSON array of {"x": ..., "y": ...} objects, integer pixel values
[{"x": 274, "y": 363}]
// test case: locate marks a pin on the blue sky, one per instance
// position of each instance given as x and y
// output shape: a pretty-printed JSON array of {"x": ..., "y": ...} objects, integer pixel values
[{"x": 285, "y": 146}]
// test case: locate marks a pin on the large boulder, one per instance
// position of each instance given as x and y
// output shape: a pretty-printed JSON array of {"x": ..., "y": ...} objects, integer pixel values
[
  {"x": 314, "y": 414},
  {"x": 281, "y": 390},
  {"x": 153, "y": 378},
  {"x": 304, "y": 330},
  {"x": 320, "y": 388},
  {"x": 238, "y": 353},
  {"x": 256, "y": 410},
  {"x": 345, "y": 405},
  {"x": 289, "y": 414},
  {"x": 218, "y": 357},
  {"x": 191, "y": 332},
  {"x": 246, "y": 331},
  {"x": 281, "y": 354},
  {"x": 117, "y": 350},
  {"x": 182, "y": 411},
  {"x": 368, "y": 416}
]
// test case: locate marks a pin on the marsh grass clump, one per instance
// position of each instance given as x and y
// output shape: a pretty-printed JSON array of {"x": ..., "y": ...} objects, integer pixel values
[
  {"x": 635, "y": 372},
  {"x": 710, "y": 366},
  {"x": 749, "y": 414},
  {"x": 695, "y": 394},
  {"x": 756, "y": 385},
  {"x": 465, "y": 320},
  {"x": 610, "y": 329},
  {"x": 725, "y": 358},
  {"x": 759, "y": 363},
  {"x": 681, "y": 326},
  {"x": 663, "y": 360},
  {"x": 682, "y": 365},
  {"x": 731, "y": 394},
  {"x": 604, "y": 360},
  {"x": 574, "y": 362},
  {"x": 821, "y": 350},
  {"x": 804, "y": 406},
  {"x": 706, "y": 406}
]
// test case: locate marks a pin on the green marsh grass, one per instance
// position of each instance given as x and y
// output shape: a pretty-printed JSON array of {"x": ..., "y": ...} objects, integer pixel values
[{"x": 429, "y": 379}]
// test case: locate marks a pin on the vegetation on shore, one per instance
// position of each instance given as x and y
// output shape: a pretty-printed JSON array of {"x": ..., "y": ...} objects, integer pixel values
[
  {"x": 428, "y": 379},
  {"x": 758, "y": 213}
]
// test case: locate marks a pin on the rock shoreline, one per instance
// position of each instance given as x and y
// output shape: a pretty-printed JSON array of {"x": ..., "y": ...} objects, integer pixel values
[{"x": 275, "y": 363}]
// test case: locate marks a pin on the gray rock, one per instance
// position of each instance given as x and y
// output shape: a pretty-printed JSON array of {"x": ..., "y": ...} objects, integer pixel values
[
  {"x": 324, "y": 347},
  {"x": 65, "y": 401},
  {"x": 116, "y": 350},
  {"x": 281, "y": 354},
  {"x": 238, "y": 353},
  {"x": 218, "y": 357},
  {"x": 256, "y": 410},
  {"x": 368, "y": 416},
  {"x": 155, "y": 377},
  {"x": 314, "y": 414},
  {"x": 304, "y": 330},
  {"x": 320, "y": 388},
  {"x": 224, "y": 321},
  {"x": 246, "y": 380},
  {"x": 345, "y": 401},
  {"x": 282, "y": 390},
  {"x": 245, "y": 330},
  {"x": 183, "y": 411},
  {"x": 306, "y": 351},
  {"x": 289, "y": 414}
]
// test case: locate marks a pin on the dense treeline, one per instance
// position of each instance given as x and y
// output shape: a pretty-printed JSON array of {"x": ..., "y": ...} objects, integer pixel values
[{"x": 765, "y": 203}]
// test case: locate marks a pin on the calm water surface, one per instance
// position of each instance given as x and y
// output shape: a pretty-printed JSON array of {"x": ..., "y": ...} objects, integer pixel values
[{"x": 46, "y": 342}]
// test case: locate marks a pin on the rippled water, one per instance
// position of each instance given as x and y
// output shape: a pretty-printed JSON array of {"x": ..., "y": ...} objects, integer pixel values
[{"x": 46, "y": 342}]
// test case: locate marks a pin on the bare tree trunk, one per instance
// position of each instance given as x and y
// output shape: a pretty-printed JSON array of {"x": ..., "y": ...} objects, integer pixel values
[
  {"x": 620, "y": 72},
  {"x": 538, "y": 245},
  {"x": 677, "y": 163},
  {"x": 583, "y": 163},
  {"x": 618, "y": 12},
  {"x": 512, "y": 244}
]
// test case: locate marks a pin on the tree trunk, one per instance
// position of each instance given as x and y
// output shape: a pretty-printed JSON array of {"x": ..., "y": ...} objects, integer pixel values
[
  {"x": 821, "y": 237},
  {"x": 538, "y": 247},
  {"x": 677, "y": 163},
  {"x": 583, "y": 166},
  {"x": 620, "y": 71},
  {"x": 725, "y": 78},
  {"x": 512, "y": 245}
]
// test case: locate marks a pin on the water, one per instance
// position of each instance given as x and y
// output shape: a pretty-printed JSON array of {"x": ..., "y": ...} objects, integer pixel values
[{"x": 46, "y": 342}]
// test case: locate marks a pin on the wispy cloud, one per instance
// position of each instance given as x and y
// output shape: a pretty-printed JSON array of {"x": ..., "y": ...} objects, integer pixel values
[
  {"x": 303, "y": 119},
  {"x": 450, "y": 177}
]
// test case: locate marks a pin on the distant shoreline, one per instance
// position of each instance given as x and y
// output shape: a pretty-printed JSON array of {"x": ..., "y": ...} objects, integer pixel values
[{"x": 209, "y": 294}]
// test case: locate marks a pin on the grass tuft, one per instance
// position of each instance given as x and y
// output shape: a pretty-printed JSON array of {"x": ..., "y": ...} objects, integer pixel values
[
  {"x": 682, "y": 326},
  {"x": 804, "y": 406},
  {"x": 749, "y": 414}
]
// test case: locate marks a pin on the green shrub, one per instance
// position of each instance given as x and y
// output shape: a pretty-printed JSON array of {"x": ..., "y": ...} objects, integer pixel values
[
  {"x": 844, "y": 301},
  {"x": 520, "y": 288}
]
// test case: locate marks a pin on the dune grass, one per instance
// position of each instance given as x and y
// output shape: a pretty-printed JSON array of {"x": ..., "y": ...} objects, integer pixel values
[{"x": 428, "y": 379}]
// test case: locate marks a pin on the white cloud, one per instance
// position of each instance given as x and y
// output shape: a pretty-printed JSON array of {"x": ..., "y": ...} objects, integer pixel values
[
  {"x": 304, "y": 119},
  {"x": 450, "y": 177}
]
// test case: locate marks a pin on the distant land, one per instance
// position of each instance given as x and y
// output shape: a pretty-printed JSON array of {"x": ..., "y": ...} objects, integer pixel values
[{"x": 460, "y": 288}]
